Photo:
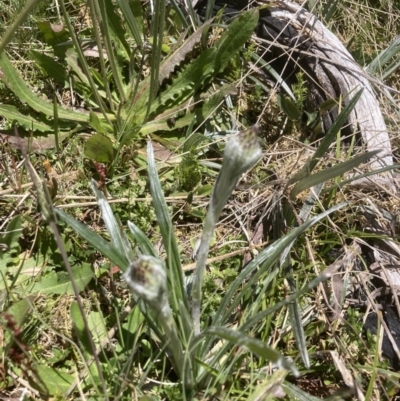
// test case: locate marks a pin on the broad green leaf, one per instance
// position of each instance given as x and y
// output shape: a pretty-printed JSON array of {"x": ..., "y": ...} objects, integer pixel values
[
  {"x": 12, "y": 232},
  {"x": 327, "y": 105},
  {"x": 72, "y": 61},
  {"x": 99, "y": 148},
  {"x": 19, "y": 310},
  {"x": 312, "y": 119},
  {"x": 97, "y": 327},
  {"x": 254, "y": 345},
  {"x": 289, "y": 107},
  {"x": 77, "y": 320},
  {"x": 53, "y": 34},
  {"x": 133, "y": 321},
  {"x": 11, "y": 78},
  {"x": 56, "y": 36},
  {"x": 55, "y": 380},
  {"x": 95, "y": 123},
  {"x": 211, "y": 105},
  {"x": 99, "y": 243},
  {"x": 332, "y": 172},
  {"x": 210, "y": 62},
  {"x": 60, "y": 283},
  {"x": 12, "y": 114},
  {"x": 50, "y": 66},
  {"x": 166, "y": 124}
]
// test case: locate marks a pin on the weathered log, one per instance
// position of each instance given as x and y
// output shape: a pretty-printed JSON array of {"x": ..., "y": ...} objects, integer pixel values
[
  {"x": 297, "y": 38},
  {"x": 337, "y": 74}
]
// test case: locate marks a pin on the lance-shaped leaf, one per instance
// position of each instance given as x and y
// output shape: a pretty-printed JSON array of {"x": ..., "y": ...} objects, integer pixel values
[
  {"x": 11, "y": 78},
  {"x": 325, "y": 175}
]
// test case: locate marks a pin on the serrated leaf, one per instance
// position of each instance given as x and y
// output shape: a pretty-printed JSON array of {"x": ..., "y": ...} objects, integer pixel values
[
  {"x": 174, "y": 59},
  {"x": 188, "y": 81},
  {"x": 60, "y": 283},
  {"x": 12, "y": 114},
  {"x": 11, "y": 78},
  {"x": 237, "y": 34},
  {"x": 99, "y": 148}
]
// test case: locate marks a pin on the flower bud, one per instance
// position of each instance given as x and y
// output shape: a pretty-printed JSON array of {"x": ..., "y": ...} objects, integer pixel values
[
  {"x": 242, "y": 152},
  {"x": 147, "y": 278}
]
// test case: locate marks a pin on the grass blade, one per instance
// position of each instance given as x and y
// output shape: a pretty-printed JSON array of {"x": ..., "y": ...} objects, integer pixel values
[
  {"x": 330, "y": 136},
  {"x": 143, "y": 242},
  {"x": 118, "y": 239},
  {"x": 325, "y": 175},
  {"x": 164, "y": 221},
  {"x": 99, "y": 243},
  {"x": 125, "y": 7},
  {"x": 19, "y": 20},
  {"x": 376, "y": 65},
  {"x": 83, "y": 62},
  {"x": 266, "y": 259},
  {"x": 254, "y": 345}
]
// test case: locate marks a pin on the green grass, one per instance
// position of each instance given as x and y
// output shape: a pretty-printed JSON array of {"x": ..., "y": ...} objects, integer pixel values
[{"x": 100, "y": 297}]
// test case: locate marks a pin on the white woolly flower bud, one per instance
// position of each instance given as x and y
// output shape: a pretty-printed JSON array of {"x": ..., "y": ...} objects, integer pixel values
[
  {"x": 147, "y": 278},
  {"x": 242, "y": 152}
]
